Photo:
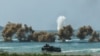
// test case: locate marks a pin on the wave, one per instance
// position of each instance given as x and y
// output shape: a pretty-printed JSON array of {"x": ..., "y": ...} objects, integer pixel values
[
  {"x": 73, "y": 40},
  {"x": 36, "y": 46},
  {"x": 83, "y": 50},
  {"x": 69, "y": 41},
  {"x": 57, "y": 41},
  {"x": 7, "y": 47}
]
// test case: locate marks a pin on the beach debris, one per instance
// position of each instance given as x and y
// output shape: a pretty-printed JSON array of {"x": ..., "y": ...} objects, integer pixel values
[
  {"x": 84, "y": 31},
  {"x": 43, "y": 36},
  {"x": 95, "y": 37},
  {"x": 25, "y": 33},
  {"x": 66, "y": 32},
  {"x": 9, "y": 30}
]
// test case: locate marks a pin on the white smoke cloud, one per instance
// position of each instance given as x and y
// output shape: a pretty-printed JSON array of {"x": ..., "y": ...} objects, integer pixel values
[{"x": 60, "y": 22}]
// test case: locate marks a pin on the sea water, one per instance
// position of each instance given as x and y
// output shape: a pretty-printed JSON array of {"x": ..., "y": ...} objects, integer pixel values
[{"x": 75, "y": 45}]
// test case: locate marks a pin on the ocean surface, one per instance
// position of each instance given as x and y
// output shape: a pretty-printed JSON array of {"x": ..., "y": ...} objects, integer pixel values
[{"x": 74, "y": 45}]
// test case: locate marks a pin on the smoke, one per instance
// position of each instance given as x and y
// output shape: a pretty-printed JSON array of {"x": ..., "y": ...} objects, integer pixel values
[{"x": 60, "y": 22}]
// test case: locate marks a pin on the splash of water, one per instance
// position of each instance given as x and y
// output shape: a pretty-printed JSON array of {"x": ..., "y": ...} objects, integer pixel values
[{"x": 60, "y": 22}]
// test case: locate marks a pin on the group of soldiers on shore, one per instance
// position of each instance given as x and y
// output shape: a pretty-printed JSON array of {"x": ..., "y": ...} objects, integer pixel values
[{"x": 25, "y": 33}]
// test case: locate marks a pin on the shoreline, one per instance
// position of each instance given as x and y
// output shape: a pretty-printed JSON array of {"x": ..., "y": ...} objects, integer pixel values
[{"x": 51, "y": 54}]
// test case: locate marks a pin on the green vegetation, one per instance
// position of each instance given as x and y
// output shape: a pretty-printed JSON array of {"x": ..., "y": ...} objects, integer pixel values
[
  {"x": 23, "y": 54},
  {"x": 30, "y": 54}
]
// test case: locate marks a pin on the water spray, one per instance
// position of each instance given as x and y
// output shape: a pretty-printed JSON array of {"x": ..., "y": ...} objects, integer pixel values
[{"x": 60, "y": 22}]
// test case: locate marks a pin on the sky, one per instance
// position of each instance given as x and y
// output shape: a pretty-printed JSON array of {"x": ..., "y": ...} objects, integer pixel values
[{"x": 42, "y": 14}]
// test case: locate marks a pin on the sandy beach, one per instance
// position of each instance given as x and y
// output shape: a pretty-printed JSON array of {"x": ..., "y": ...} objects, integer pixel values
[{"x": 76, "y": 54}]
